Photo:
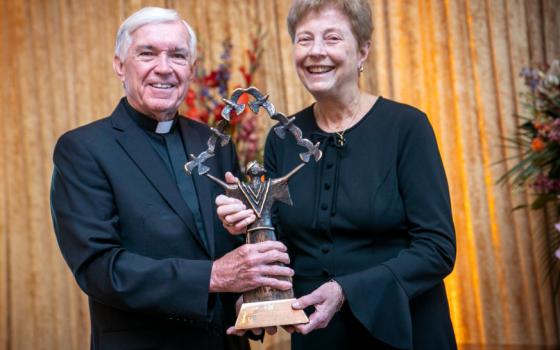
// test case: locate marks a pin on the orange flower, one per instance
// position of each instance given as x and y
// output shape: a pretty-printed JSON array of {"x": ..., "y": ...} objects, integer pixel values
[{"x": 537, "y": 144}]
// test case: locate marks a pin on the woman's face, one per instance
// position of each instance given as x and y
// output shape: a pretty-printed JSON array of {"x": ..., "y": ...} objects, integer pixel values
[{"x": 326, "y": 52}]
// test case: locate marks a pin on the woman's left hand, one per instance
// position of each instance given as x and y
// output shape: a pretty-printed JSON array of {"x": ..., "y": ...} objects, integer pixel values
[{"x": 327, "y": 300}]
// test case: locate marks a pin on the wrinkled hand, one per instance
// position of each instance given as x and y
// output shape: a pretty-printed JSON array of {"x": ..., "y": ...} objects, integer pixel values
[
  {"x": 233, "y": 214},
  {"x": 327, "y": 300},
  {"x": 251, "y": 266},
  {"x": 241, "y": 332}
]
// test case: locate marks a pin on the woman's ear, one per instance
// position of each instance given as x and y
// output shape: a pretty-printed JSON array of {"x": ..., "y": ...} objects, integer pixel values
[{"x": 364, "y": 52}]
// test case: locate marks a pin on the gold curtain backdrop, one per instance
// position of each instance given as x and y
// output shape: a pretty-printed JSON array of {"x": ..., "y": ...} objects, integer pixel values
[{"x": 458, "y": 60}]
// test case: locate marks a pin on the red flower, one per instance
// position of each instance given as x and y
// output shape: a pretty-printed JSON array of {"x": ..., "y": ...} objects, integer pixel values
[
  {"x": 204, "y": 100},
  {"x": 537, "y": 144},
  {"x": 252, "y": 56},
  {"x": 217, "y": 112},
  {"x": 246, "y": 75},
  {"x": 190, "y": 98},
  {"x": 211, "y": 80},
  {"x": 236, "y": 118},
  {"x": 197, "y": 114}
]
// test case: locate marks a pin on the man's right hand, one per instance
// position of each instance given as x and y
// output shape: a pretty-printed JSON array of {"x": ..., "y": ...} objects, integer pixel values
[{"x": 251, "y": 266}]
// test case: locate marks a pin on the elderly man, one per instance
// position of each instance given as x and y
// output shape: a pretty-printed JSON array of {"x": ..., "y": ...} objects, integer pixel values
[{"x": 142, "y": 237}]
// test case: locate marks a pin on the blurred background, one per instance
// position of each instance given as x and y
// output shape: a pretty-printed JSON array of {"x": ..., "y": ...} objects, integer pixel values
[{"x": 457, "y": 60}]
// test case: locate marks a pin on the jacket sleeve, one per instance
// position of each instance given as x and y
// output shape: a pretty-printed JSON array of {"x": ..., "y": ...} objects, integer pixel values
[
  {"x": 380, "y": 296},
  {"x": 86, "y": 222}
]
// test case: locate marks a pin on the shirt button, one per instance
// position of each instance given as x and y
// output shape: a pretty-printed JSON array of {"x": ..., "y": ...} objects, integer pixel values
[
  {"x": 329, "y": 165},
  {"x": 327, "y": 186},
  {"x": 324, "y": 206}
]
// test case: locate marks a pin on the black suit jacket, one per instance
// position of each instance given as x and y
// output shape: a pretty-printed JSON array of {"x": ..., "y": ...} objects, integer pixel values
[{"x": 131, "y": 240}]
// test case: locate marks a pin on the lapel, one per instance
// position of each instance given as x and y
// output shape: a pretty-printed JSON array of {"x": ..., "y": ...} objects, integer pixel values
[
  {"x": 194, "y": 144},
  {"x": 136, "y": 145}
]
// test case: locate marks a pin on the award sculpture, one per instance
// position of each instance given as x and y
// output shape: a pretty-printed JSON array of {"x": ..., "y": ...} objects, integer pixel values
[{"x": 263, "y": 306}]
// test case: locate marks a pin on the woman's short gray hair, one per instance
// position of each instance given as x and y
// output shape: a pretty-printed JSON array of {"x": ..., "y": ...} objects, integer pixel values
[
  {"x": 357, "y": 11},
  {"x": 150, "y": 15}
]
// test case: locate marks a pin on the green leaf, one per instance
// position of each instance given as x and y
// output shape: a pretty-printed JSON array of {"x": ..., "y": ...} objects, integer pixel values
[
  {"x": 521, "y": 206},
  {"x": 541, "y": 200}
]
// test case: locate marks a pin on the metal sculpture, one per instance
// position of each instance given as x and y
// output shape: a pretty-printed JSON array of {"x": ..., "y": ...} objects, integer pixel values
[{"x": 263, "y": 306}]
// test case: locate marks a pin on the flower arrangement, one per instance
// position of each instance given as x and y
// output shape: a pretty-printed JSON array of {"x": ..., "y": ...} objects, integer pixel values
[
  {"x": 538, "y": 138},
  {"x": 205, "y": 96}
]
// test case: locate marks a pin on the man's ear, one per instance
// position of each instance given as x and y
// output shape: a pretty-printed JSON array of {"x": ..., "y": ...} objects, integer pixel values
[
  {"x": 194, "y": 67},
  {"x": 118, "y": 67}
]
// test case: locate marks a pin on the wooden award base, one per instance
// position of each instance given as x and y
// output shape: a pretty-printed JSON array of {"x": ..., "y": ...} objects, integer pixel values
[{"x": 269, "y": 313}]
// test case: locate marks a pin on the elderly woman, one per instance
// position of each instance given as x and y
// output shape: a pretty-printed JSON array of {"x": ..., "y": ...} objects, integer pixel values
[{"x": 370, "y": 232}]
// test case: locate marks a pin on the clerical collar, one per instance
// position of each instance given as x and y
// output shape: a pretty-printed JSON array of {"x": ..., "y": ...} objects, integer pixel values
[{"x": 148, "y": 123}]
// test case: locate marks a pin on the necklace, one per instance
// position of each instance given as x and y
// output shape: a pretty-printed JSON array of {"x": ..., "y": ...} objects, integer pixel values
[{"x": 339, "y": 132}]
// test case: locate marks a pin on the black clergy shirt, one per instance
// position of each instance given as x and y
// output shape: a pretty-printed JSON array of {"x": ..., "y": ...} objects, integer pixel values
[{"x": 166, "y": 140}]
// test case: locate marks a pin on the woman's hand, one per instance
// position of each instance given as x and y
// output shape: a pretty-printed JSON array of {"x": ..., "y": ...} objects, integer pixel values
[
  {"x": 232, "y": 212},
  {"x": 327, "y": 300}
]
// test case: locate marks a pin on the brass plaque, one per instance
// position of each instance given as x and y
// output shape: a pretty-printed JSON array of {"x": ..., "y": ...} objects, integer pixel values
[{"x": 269, "y": 313}]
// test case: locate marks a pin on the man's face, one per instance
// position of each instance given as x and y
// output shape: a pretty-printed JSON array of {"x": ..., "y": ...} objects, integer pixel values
[{"x": 157, "y": 69}]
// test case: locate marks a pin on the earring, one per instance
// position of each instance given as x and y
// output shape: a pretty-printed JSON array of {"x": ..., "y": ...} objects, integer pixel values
[{"x": 361, "y": 68}]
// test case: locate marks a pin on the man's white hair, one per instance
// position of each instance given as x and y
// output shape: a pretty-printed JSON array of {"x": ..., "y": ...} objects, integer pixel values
[{"x": 150, "y": 15}]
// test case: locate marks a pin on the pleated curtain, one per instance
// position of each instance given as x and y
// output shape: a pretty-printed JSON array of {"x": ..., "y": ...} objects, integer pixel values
[{"x": 457, "y": 60}]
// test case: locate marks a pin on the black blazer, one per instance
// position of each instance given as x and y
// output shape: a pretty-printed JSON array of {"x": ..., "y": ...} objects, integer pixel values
[{"x": 131, "y": 240}]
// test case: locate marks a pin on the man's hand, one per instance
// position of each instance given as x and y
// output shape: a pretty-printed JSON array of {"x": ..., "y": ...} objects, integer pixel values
[
  {"x": 251, "y": 266},
  {"x": 232, "y": 212},
  {"x": 327, "y": 300}
]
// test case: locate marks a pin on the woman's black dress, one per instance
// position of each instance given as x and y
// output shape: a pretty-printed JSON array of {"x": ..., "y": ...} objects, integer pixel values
[{"x": 374, "y": 214}]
